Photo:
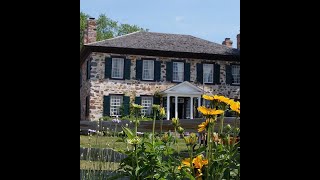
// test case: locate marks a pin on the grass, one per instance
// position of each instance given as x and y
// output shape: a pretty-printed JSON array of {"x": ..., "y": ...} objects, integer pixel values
[
  {"x": 110, "y": 142},
  {"x": 98, "y": 165}
]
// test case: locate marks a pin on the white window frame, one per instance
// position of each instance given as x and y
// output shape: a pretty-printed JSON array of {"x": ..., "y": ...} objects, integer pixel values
[
  {"x": 235, "y": 74},
  {"x": 179, "y": 72},
  {"x": 116, "y": 102},
  {"x": 117, "y": 71},
  {"x": 146, "y": 103},
  {"x": 208, "y": 67},
  {"x": 148, "y": 69}
]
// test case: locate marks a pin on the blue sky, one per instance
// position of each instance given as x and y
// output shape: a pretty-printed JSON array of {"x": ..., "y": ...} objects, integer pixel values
[{"x": 213, "y": 20}]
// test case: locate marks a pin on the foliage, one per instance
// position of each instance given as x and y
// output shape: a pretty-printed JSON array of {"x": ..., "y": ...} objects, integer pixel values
[{"x": 107, "y": 28}]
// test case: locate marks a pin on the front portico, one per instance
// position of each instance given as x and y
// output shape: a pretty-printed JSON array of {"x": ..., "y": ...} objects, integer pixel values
[{"x": 184, "y": 95}]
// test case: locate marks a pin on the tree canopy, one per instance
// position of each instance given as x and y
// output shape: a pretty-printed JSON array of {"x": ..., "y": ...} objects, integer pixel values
[{"x": 107, "y": 28}]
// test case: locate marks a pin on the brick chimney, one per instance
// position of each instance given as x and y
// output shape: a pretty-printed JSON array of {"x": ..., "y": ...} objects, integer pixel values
[
  {"x": 238, "y": 41},
  {"x": 90, "y": 33},
  {"x": 227, "y": 42}
]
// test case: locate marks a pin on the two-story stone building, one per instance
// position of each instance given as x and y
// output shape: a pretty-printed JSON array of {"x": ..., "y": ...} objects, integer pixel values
[{"x": 148, "y": 68}]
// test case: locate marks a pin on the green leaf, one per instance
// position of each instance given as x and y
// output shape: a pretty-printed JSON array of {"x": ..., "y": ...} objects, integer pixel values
[
  {"x": 128, "y": 132},
  {"x": 200, "y": 150},
  {"x": 187, "y": 175}
]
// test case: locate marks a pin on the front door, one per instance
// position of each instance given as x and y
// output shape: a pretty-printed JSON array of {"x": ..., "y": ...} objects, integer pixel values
[{"x": 181, "y": 108}]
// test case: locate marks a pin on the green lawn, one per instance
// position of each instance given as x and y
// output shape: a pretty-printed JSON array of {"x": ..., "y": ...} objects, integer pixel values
[
  {"x": 110, "y": 142},
  {"x": 98, "y": 165}
]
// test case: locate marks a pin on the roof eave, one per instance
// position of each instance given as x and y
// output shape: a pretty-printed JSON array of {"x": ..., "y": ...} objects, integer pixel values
[{"x": 119, "y": 50}]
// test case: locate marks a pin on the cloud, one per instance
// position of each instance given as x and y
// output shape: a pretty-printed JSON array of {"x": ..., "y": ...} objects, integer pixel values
[{"x": 179, "y": 18}]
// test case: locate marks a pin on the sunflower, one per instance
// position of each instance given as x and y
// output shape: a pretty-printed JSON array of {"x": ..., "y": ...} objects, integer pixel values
[
  {"x": 198, "y": 162},
  {"x": 203, "y": 126},
  {"x": 207, "y": 97},
  {"x": 209, "y": 111},
  {"x": 235, "y": 106}
]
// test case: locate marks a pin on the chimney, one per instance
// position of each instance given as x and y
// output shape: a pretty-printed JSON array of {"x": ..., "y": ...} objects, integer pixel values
[
  {"x": 238, "y": 41},
  {"x": 227, "y": 42},
  {"x": 90, "y": 33}
]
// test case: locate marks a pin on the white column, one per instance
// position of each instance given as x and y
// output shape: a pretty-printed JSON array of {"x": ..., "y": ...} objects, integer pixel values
[
  {"x": 168, "y": 107},
  {"x": 191, "y": 107},
  {"x": 199, "y": 101},
  {"x": 176, "y": 106}
]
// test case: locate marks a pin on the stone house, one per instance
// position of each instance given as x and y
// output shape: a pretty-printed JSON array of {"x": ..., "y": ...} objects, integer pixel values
[{"x": 148, "y": 68}]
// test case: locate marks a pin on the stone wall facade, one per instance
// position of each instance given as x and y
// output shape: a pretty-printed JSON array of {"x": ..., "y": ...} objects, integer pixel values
[{"x": 97, "y": 86}]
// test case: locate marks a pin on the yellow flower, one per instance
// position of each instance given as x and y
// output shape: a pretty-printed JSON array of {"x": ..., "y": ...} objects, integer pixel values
[
  {"x": 207, "y": 97},
  {"x": 175, "y": 122},
  {"x": 208, "y": 111},
  {"x": 191, "y": 140},
  {"x": 235, "y": 106},
  {"x": 162, "y": 112},
  {"x": 203, "y": 126},
  {"x": 199, "y": 162}
]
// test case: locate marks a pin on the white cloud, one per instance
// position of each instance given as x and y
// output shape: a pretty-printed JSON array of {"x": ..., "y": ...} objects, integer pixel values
[{"x": 179, "y": 18}]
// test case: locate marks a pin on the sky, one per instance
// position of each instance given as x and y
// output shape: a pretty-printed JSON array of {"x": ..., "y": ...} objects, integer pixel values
[{"x": 213, "y": 20}]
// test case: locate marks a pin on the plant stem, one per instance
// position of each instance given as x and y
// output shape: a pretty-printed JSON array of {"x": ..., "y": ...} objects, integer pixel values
[
  {"x": 208, "y": 150},
  {"x": 191, "y": 158},
  {"x": 136, "y": 123},
  {"x": 175, "y": 138},
  {"x": 153, "y": 127},
  {"x": 221, "y": 119}
]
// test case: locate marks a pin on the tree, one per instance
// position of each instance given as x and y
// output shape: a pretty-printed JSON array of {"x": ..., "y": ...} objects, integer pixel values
[
  {"x": 83, "y": 21},
  {"x": 107, "y": 28}
]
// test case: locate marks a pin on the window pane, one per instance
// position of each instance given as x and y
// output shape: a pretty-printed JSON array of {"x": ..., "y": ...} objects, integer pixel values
[
  {"x": 146, "y": 102},
  {"x": 236, "y": 74},
  {"x": 148, "y": 68},
  {"x": 117, "y": 68},
  {"x": 115, "y": 103},
  {"x": 178, "y": 71},
  {"x": 208, "y": 73}
]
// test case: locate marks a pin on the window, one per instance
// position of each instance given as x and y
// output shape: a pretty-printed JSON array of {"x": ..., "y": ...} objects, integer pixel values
[
  {"x": 236, "y": 74},
  {"x": 178, "y": 72},
  {"x": 117, "y": 68},
  {"x": 208, "y": 73},
  {"x": 115, "y": 104},
  {"x": 148, "y": 70},
  {"x": 146, "y": 102},
  {"x": 87, "y": 106}
]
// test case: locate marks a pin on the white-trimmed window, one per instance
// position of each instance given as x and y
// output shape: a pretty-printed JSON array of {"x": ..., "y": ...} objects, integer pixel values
[
  {"x": 148, "y": 70},
  {"x": 208, "y": 73},
  {"x": 117, "y": 68},
  {"x": 236, "y": 74},
  {"x": 115, "y": 104},
  {"x": 178, "y": 72},
  {"x": 146, "y": 102}
]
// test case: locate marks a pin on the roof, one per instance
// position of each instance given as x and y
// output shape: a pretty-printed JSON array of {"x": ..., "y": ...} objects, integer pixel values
[
  {"x": 152, "y": 43},
  {"x": 183, "y": 89}
]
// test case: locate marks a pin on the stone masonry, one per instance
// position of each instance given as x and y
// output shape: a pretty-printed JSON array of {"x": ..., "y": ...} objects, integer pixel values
[{"x": 97, "y": 86}]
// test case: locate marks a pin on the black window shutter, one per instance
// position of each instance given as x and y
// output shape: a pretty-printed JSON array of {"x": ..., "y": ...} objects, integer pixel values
[
  {"x": 156, "y": 100},
  {"x": 200, "y": 73},
  {"x": 137, "y": 100},
  {"x": 126, "y": 105},
  {"x": 87, "y": 106},
  {"x": 216, "y": 74},
  {"x": 157, "y": 70},
  {"x": 127, "y": 68},
  {"x": 187, "y": 71},
  {"x": 88, "y": 69},
  {"x": 229, "y": 77},
  {"x": 169, "y": 71},
  {"x": 139, "y": 70},
  {"x": 106, "y": 105},
  {"x": 108, "y": 68}
]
